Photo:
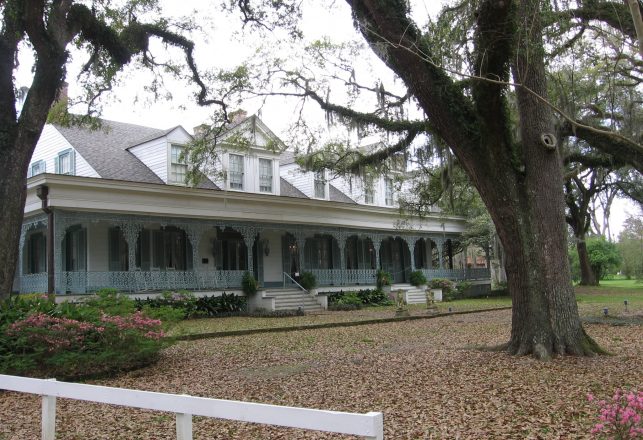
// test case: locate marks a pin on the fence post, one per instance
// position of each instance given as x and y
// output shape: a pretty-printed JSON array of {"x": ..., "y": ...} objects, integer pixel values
[
  {"x": 183, "y": 426},
  {"x": 49, "y": 417},
  {"x": 378, "y": 425}
]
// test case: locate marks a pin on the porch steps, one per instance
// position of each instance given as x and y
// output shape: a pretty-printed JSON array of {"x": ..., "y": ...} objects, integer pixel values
[
  {"x": 412, "y": 294},
  {"x": 292, "y": 299}
]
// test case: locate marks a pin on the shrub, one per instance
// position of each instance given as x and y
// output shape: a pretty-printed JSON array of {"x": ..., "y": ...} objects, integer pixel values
[
  {"x": 111, "y": 302},
  {"x": 383, "y": 278},
  {"x": 191, "y": 307},
  {"x": 446, "y": 286},
  {"x": 621, "y": 418},
  {"x": 371, "y": 297},
  {"x": 249, "y": 284},
  {"x": 43, "y": 345},
  {"x": 462, "y": 288},
  {"x": 417, "y": 278},
  {"x": 308, "y": 280},
  {"x": 351, "y": 298}
]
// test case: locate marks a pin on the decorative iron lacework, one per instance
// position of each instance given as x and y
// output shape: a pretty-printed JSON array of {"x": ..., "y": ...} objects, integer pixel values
[{"x": 131, "y": 225}]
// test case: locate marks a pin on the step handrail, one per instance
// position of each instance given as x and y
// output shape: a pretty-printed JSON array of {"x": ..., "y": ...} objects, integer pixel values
[{"x": 296, "y": 283}]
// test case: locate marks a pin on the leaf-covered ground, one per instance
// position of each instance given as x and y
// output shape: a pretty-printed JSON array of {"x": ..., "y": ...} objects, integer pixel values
[{"x": 426, "y": 376}]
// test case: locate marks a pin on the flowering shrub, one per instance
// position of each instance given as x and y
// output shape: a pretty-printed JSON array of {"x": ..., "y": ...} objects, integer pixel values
[
  {"x": 620, "y": 418},
  {"x": 77, "y": 340}
]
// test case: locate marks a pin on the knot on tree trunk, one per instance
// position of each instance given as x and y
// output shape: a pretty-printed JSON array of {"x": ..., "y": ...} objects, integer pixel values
[{"x": 549, "y": 141}]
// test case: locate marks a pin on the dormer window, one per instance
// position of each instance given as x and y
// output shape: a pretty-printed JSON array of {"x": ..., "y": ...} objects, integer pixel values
[
  {"x": 178, "y": 165},
  {"x": 236, "y": 171},
  {"x": 369, "y": 191},
  {"x": 388, "y": 191},
  {"x": 38, "y": 167},
  {"x": 265, "y": 175},
  {"x": 66, "y": 163},
  {"x": 320, "y": 185}
]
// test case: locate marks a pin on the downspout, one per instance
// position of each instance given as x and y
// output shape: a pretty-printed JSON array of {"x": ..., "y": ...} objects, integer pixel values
[{"x": 43, "y": 194}]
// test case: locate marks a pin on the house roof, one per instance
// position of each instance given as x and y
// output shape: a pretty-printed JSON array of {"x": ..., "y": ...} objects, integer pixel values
[
  {"x": 335, "y": 195},
  {"x": 106, "y": 150},
  {"x": 287, "y": 189}
]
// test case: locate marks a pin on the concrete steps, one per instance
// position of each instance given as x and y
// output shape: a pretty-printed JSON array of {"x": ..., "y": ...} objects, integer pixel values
[{"x": 293, "y": 299}]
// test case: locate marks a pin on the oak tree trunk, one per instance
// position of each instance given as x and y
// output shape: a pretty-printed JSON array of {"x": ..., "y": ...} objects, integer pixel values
[{"x": 587, "y": 275}]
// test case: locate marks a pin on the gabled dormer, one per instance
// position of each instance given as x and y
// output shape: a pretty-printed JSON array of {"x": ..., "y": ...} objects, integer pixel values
[
  {"x": 249, "y": 157},
  {"x": 162, "y": 152}
]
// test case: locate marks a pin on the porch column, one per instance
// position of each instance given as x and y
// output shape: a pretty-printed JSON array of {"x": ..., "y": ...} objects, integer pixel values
[
  {"x": 300, "y": 240},
  {"x": 23, "y": 234},
  {"x": 439, "y": 242},
  {"x": 377, "y": 243},
  {"x": 410, "y": 242},
  {"x": 60, "y": 228},
  {"x": 341, "y": 243},
  {"x": 131, "y": 231},
  {"x": 194, "y": 233},
  {"x": 248, "y": 233}
]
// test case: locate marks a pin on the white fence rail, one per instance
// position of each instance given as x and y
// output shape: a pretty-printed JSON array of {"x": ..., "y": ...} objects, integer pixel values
[{"x": 370, "y": 425}]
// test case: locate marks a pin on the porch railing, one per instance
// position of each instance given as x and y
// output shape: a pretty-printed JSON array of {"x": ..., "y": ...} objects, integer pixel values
[{"x": 84, "y": 282}]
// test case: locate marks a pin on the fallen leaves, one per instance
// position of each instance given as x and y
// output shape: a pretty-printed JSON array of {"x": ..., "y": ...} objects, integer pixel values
[{"x": 423, "y": 375}]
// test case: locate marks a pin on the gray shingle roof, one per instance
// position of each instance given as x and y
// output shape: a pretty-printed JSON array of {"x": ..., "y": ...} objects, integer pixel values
[
  {"x": 105, "y": 149},
  {"x": 336, "y": 195},
  {"x": 288, "y": 190}
]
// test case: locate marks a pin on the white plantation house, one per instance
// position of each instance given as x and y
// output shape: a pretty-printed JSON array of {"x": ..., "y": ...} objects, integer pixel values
[{"x": 114, "y": 205}]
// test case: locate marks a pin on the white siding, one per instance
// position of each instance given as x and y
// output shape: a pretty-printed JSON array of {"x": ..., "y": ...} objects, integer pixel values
[
  {"x": 272, "y": 264},
  {"x": 97, "y": 247},
  {"x": 302, "y": 180},
  {"x": 51, "y": 143},
  {"x": 155, "y": 155}
]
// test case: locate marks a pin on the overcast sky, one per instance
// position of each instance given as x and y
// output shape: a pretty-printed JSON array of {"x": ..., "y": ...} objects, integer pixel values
[{"x": 220, "y": 45}]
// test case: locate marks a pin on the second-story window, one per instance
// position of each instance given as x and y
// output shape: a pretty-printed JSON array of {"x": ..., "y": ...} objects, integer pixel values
[
  {"x": 38, "y": 167},
  {"x": 178, "y": 165},
  {"x": 320, "y": 185},
  {"x": 265, "y": 175},
  {"x": 65, "y": 163},
  {"x": 369, "y": 191},
  {"x": 388, "y": 194},
  {"x": 236, "y": 171}
]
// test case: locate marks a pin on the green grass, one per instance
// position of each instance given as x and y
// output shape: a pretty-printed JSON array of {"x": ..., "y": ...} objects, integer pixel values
[
  {"x": 591, "y": 301},
  {"x": 621, "y": 283}
]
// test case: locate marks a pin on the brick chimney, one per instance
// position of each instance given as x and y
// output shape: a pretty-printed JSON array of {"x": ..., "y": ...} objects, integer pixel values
[{"x": 238, "y": 116}]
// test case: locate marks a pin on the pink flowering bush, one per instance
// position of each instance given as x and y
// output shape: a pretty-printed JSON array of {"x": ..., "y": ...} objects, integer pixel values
[
  {"x": 620, "y": 417},
  {"x": 78, "y": 340}
]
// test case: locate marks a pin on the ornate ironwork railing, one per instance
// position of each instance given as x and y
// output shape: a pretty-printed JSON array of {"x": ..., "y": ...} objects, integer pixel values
[
  {"x": 35, "y": 282},
  {"x": 83, "y": 282},
  {"x": 360, "y": 276},
  {"x": 477, "y": 273}
]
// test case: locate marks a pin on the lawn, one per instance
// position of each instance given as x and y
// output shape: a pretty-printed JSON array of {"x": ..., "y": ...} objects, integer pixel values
[
  {"x": 591, "y": 300},
  {"x": 427, "y": 376}
]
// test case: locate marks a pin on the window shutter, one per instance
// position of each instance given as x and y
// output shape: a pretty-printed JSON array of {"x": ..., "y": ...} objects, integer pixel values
[
  {"x": 82, "y": 249},
  {"x": 113, "y": 249},
  {"x": 57, "y": 165},
  {"x": 336, "y": 260},
  {"x": 72, "y": 162},
  {"x": 145, "y": 249}
]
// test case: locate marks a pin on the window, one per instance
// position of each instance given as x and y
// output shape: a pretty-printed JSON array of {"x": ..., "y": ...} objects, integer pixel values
[
  {"x": 117, "y": 250},
  {"x": 163, "y": 249},
  {"x": 66, "y": 162},
  {"x": 320, "y": 185},
  {"x": 265, "y": 175},
  {"x": 38, "y": 167},
  {"x": 369, "y": 191},
  {"x": 178, "y": 165},
  {"x": 236, "y": 171},
  {"x": 36, "y": 253},
  {"x": 388, "y": 195}
]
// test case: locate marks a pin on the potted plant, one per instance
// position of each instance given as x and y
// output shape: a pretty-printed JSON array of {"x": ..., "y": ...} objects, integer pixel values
[
  {"x": 442, "y": 289},
  {"x": 417, "y": 278},
  {"x": 249, "y": 284},
  {"x": 384, "y": 281},
  {"x": 307, "y": 280}
]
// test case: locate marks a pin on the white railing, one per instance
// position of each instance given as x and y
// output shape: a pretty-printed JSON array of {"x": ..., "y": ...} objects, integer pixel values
[{"x": 370, "y": 425}]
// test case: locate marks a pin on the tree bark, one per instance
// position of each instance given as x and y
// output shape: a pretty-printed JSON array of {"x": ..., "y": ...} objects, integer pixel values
[
  {"x": 587, "y": 276},
  {"x": 521, "y": 182}
]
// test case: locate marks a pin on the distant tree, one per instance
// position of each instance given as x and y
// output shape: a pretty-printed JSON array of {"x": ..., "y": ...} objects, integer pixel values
[
  {"x": 603, "y": 256},
  {"x": 630, "y": 244}
]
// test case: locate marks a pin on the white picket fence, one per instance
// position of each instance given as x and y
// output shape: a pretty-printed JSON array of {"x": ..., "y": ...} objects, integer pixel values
[{"x": 370, "y": 425}]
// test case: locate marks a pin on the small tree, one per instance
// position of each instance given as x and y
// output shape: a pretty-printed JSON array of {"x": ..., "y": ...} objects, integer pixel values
[
  {"x": 603, "y": 256},
  {"x": 630, "y": 245}
]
